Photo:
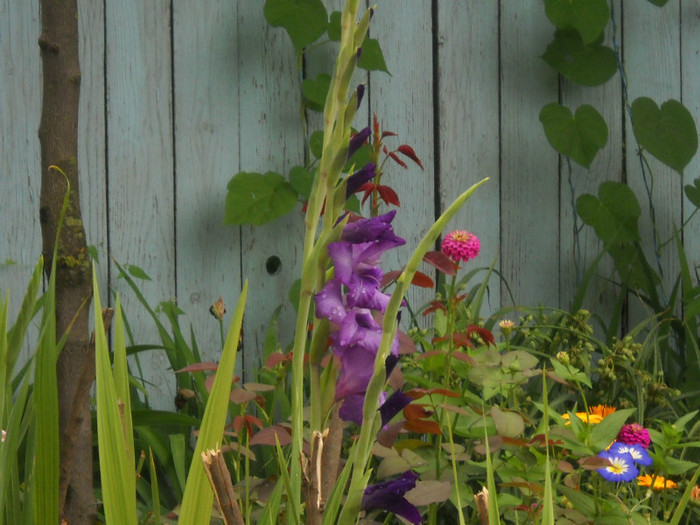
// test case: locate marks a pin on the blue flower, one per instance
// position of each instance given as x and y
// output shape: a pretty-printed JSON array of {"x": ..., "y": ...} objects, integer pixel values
[
  {"x": 621, "y": 468},
  {"x": 638, "y": 452},
  {"x": 389, "y": 496}
]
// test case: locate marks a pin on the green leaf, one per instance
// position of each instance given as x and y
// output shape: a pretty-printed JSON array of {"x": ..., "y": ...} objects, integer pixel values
[
  {"x": 588, "y": 17},
  {"x": 668, "y": 133},
  {"x": 334, "y": 26},
  {"x": 613, "y": 214},
  {"x": 371, "y": 57},
  {"x": 509, "y": 424},
  {"x": 693, "y": 192},
  {"x": 659, "y": 3},
  {"x": 254, "y": 198},
  {"x": 316, "y": 143},
  {"x": 605, "y": 432},
  {"x": 315, "y": 91},
  {"x": 577, "y": 136},
  {"x": 198, "y": 497},
  {"x": 304, "y": 20},
  {"x": 137, "y": 272},
  {"x": 588, "y": 65},
  {"x": 301, "y": 180}
]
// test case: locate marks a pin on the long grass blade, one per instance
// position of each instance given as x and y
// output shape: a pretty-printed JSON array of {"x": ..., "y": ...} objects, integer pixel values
[
  {"x": 116, "y": 471},
  {"x": 198, "y": 498}
]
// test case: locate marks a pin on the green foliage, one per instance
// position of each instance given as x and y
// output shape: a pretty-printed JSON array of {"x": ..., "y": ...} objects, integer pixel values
[
  {"x": 588, "y": 17},
  {"x": 304, "y": 20},
  {"x": 586, "y": 64},
  {"x": 580, "y": 136},
  {"x": 613, "y": 214},
  {"x": 254, "y": 198},
  {"x": 668, "y": 133},
  {"x": 372, "y": 57}
]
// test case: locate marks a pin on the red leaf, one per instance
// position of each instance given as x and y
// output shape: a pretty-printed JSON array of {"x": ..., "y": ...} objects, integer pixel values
[
  {"x": 422, "y": 280},
  {"x": 388, "y": 195},
  {"x": 434, "y": 305},
  {"x": 441, "y": 261},
  {"x": 267, "y": 436},
  {"x": 416, "y": 411},
  {"x": 406, "y": 344},
  {"x": 417, "y": 393},
  {"x": 390, "y": 277},
  {"x": 422, "y": 426},
  {"x": 199, "y": 367},
  {"x": 461, "y": 356},
  {"x": 389, "y": 134},
  {"x": 408, "y": 151},
  {"x": 396, "y": 158},
  {"x": 276, "y": 358},
  {"x": 484, "y": 333}
]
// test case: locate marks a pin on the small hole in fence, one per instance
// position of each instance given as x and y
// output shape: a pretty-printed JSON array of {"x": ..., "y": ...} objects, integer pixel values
[{"x": 273, "y": 265}]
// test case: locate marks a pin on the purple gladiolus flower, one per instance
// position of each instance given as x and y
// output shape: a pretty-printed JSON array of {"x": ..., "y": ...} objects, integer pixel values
[
  {"x": 349, "y": 300},
  {"x": 389, "y": 496},
  {"x": 360, "y": 94},
  {"x": 392, "y": 406},
  {"x": 358, "y": 140},
  {"x": 357, "y": 179}
]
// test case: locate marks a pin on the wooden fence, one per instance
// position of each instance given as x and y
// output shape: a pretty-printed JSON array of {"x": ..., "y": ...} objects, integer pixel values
[{"x": 178, "y": 95}]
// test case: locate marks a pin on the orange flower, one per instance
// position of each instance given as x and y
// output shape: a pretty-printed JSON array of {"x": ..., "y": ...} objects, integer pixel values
[
  {"x": 659, "y": 482},
  {"x": 695, "y": 494},
  {"x": 595, "y": 414}
]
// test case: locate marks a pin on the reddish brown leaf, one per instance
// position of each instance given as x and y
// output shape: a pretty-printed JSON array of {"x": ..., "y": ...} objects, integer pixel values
[
  {"x": 406, "y": 344},
  {"x": 389, "y": 134},
  {"x": 466, "y": 358},
  {"x": 396, "y": 158},
  {"x": 422, "y": 280},
  {"x": 276, "y": 358},
  {"x": 410, "y": 153},
  {"x": 417, "y": 393},
  {"x": 387, "y": 435},
  {"x": 388, "y": 195},
  {"x": 441, "y": 261},
  {"x": 593, "y": 463},
  {"x": 199, "y": 367},
  {"x": 390, "y": 277},
  {"x": 422, "y": 426},
  {"x": 239, "y": 396},
  {"x": 431, "y": 353},
  {"x": 267, "y": 436},
  {"x": 484, "y": 333},
  {"x": 258, "y": 387},
  {"x": 434, "y": 305}
]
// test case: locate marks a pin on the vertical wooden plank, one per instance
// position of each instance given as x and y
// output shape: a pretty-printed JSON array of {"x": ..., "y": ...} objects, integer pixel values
[
  {"x": 468, "y": 101},
  {"x": 270, "y": 140},
  {"x": 529, "y": 175},
  {"x": 20, "y": 170},
  {"x": 652, "y": 61},
  {"x": 206, "y": 151},
  {"x": 578, "y": 251},
  {"x": 91, "y": 135},
  {"x": 402, "y": 102},
  {"x": 690, "y": 67},
  {"x": 140, "y": 167}
]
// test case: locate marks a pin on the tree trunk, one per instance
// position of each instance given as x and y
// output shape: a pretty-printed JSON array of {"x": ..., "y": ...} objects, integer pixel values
[{"x": 58, "y": 135}]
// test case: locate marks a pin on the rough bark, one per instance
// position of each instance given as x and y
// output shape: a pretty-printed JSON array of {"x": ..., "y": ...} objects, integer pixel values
[{"x": 58, "y": 136}]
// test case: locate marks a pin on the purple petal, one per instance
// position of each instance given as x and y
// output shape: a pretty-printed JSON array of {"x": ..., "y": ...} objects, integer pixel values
[
  {"x": 388, "y": 496},
  {"x": 351, "y": 409},
  {"x": 357, "y": 179},
  {"x": 392, "y": 406},
  {"x": 329, "y": 302},
  {"x": 358, "y": 140},
  {"x": 359, "y": 328},
  {"x": 360, "y": 94}
]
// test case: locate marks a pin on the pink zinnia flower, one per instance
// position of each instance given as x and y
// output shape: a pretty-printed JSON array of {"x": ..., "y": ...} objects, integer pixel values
[
  {"x": 634, "y": 434},
  {"x": 461, "y": 245}
]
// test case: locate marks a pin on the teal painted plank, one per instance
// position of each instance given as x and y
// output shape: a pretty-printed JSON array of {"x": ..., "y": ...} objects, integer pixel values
[
  {"x": 652, "y": 62},
  {"x": 403, "y": 104},
  {"x": 20, "y": 170},
  {"x": 91, "y": 135},
  {"x": 271, "y": 139},
  {"x": 207, "y": 132},
  {"x": 140, "y": 164},
  {"x": 578, "y": 253},
  {"x": 468, "y": 105},
  {"x": 690, "y": 65},
  {"x": 529, "y": 173}
]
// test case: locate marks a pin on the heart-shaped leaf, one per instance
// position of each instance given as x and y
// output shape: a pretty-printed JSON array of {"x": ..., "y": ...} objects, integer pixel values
[
  {"x": 509, "y": 424},
  {"x": 614, "y": 215},
  {"x": 334, "y": 26},
  {"x": 371, "y": 56},
  {"x": 588, "y": 17},
  {"x": 693, "y": 192},
  {"x": 315, "y": 91},
  {"x": 301, "y": 180},
  {"x": 668, "y": 133},
  {"x": 585, "y": 64},
  {"x": 577, "y": 136},
  {"x": 254, "y": 198},
  {"x": 304, "y": 20}
]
